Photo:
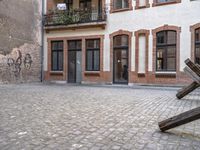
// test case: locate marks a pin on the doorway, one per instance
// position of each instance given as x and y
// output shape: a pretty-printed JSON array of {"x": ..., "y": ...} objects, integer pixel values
[
  {"x": 120, "y": 59},
  {"x": 74, "y": 61}
]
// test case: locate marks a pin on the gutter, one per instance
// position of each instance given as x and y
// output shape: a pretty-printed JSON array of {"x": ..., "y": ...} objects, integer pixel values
[{"x": 42, "y": 43}]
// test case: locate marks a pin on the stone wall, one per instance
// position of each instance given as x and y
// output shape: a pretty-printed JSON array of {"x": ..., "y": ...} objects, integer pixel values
[{"x": 20, "y": 41}]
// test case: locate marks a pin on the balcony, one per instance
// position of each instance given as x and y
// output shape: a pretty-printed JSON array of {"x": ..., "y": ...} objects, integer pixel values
[{"x": 88, "y": 16}]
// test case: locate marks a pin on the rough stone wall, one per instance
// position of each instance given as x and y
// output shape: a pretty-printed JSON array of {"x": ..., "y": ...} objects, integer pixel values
[{"x": 20, "y": 41}]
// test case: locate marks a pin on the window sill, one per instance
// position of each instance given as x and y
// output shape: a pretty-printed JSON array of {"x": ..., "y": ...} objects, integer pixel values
[
  {"x": 165, "y": 3},
  {"x": 120, "y": 10},
  {"x": 56, "y": 72},
  {"x": 165, "y": 74},
  {"x": 92, "y": 73}
]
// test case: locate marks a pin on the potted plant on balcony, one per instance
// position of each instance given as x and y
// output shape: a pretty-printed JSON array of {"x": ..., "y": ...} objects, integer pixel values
[{"x": 63, "y": 17}]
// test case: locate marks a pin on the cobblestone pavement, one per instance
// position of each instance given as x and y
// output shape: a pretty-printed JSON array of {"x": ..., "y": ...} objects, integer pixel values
[{"x": 69, "y": 117}]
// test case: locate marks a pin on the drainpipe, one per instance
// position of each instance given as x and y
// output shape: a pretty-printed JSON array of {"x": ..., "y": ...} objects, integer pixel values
[{"x": 42, "y": 43}]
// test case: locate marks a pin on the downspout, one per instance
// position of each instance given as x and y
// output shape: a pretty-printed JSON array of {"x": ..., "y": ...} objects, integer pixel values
[{"x": 42, "y": 43}]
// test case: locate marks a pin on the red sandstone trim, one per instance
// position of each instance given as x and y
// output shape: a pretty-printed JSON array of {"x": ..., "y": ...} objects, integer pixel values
[
  {"x": 58, "y": 75},
  {"x": 163, "y": 28},
  {"x": 121, "y": 32},
  {"x": 137, "y": 35},
  {"x": 85, "y": 74}
]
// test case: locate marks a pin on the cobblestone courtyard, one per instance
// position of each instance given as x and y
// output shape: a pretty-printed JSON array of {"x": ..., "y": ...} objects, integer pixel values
[{"x": 39, "y": 116}]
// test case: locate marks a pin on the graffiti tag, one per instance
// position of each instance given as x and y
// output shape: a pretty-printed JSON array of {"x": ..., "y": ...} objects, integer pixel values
[
  {"x": 15, "y": 64},
  {"x": 27, "y": 61}
]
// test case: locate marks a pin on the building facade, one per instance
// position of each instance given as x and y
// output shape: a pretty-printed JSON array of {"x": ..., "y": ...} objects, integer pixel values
[
  {"x": 20, "y": 41},
  {"x": 120, "y": 41}
]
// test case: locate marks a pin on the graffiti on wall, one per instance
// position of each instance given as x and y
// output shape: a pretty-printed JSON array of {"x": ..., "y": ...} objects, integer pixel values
[
  {"x": 16, "y": 64},
  {"x": 27, "y": 61}
]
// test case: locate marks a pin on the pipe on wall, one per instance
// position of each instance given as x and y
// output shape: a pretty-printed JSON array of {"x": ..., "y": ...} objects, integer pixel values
[{"x": 42, "y": 42}]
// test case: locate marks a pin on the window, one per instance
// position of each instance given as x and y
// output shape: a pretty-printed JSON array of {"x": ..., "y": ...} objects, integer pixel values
[
  {"x": 163, "y": 2},
  {"x": 142, "y": 3},
  {"x": 197, "y": 46},
  {"x": 93, "y": 55},
  {"x": 120, "y": 41},
  {"x": 121, "y": 4},
  {"x": 69, "y": 4},
  {"x": 85, "y": 4},
  {"x": 166, "y": 51},
  {"x": 57, "y": 56}
]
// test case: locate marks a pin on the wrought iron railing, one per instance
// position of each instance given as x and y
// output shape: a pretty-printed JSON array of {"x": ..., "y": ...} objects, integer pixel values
[{"x": 73, "y": 17}]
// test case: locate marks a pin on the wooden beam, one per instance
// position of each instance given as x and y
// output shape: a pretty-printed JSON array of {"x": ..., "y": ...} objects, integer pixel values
[
  {"x": 186, "y": 90},
  {"x": 181, "y": 119},
  {"x": 192, "y": 74},
  {"x": 193, "y": 71},
  {"x": 193, "y": 67}
]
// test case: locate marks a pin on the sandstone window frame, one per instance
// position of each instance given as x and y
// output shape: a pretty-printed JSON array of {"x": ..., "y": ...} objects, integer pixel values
[
  {"x": 137, "y": 6},
  {"x": 156, "y": 3},
  {"x": 92, "y": 73},
  {"x": 178, "y": 32},
  {"x": 138, "y": 33},
  {"x": 113, "y": 10},
  {"x": 193, "y": 28},
  {"x": 93, "y": 50},
  {"x": 164, "y": 48},
  {"x": 57, "y": 51}
]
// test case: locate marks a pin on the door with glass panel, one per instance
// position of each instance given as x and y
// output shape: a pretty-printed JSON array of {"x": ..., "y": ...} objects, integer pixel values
[
  {"x": 74, "y": 61},
  {"x": 120, "y": 59},
  {"x": 85, "y": 10}
]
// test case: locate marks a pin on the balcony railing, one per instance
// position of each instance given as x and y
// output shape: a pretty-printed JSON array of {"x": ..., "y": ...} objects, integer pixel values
[{"x": 73, "y": 17}]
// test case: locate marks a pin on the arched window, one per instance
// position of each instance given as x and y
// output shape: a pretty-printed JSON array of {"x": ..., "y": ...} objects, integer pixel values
[
  {"x": 121, "y": 41},
  {"x": 166, "y": 51},
  {"x": 197, "y": 46}
]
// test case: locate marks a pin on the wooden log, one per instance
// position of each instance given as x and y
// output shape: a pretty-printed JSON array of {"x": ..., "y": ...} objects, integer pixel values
[
  {"x": 192, "y": 74},
  {"x": 192, "y": 66},
  {"x": 181, "y": 119},
  {"x": 186, "y": 90}
]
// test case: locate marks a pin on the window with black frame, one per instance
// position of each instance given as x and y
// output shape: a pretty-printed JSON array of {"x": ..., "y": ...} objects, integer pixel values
[
  {"x": 197, "y": 46},
  {"x": 120, "y": 4},
  {"x": 93, "y": 55},
  {"x": 166, "y": 51},
  {"x": 57, "y": 55},
  {"x": 69, "y": 4}
]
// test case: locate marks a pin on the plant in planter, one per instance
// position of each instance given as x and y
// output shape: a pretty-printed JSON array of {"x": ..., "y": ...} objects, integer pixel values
[{"x": 63, "y": 17}]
